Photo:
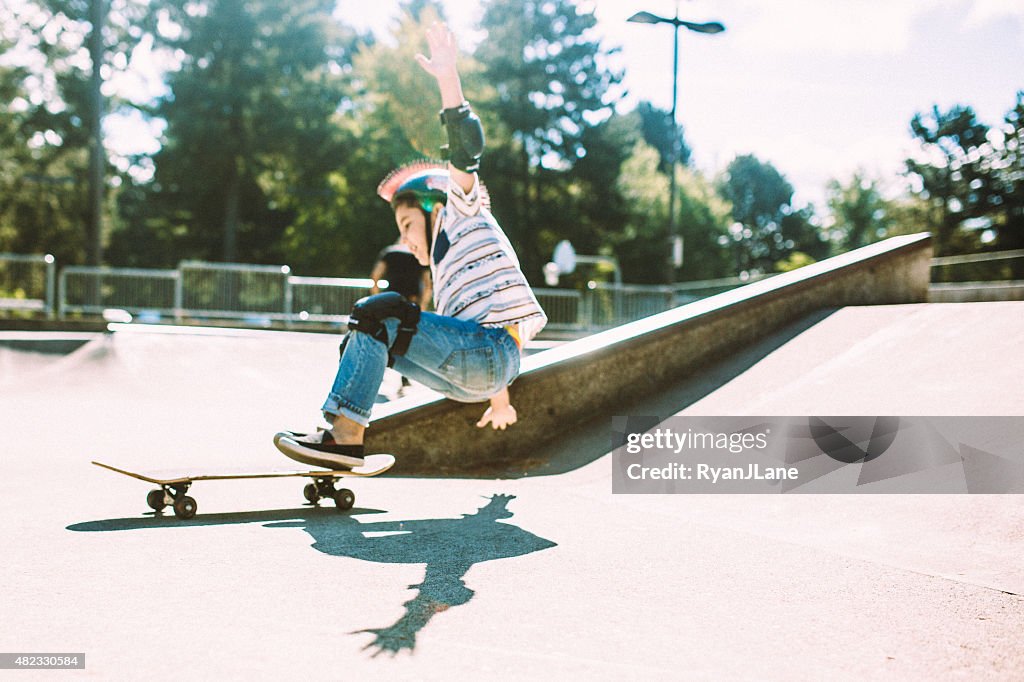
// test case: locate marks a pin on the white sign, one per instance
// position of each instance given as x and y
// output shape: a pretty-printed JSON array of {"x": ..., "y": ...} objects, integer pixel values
[{"x": 565, "y": 257}]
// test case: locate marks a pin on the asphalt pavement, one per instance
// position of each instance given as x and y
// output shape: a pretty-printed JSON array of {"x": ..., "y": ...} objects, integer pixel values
[{"x": 537, "y": 574}]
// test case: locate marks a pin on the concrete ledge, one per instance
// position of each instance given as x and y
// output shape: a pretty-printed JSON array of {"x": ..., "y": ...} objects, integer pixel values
[{"x": 605, "y": 372}]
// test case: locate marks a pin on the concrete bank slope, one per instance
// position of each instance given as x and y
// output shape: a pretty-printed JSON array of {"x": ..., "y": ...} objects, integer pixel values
[
  {"x": 567, "y": 385},
  {"x": 935, "y": 359}
]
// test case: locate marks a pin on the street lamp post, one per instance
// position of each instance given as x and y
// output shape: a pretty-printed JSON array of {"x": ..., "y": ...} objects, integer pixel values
[{"x": 708, "y": 28}]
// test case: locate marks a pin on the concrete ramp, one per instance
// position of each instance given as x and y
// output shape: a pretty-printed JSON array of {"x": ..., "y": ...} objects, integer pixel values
[{"x": 565, "y": 386}]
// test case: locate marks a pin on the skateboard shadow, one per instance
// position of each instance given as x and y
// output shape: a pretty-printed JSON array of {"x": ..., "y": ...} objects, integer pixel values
[
  {"x": 151, "y": 520},
  {"x": 448, "y": 548}
]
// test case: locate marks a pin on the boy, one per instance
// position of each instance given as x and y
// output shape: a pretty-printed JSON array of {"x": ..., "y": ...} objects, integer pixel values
[{"x": 470, "y": 349}]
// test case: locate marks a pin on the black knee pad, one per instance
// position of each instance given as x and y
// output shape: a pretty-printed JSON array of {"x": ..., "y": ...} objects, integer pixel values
[{"x": 369, "y": 313}]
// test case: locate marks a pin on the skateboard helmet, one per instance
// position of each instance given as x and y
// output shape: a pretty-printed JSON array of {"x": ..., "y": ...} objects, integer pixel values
[{"x": 426, "y": 181}]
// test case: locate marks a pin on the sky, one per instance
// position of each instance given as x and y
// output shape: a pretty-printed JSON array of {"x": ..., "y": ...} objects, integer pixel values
[{"x": 820, "y": 88}]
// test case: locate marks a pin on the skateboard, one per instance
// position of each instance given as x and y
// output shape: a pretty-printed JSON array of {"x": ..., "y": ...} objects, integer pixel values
[{"x": 173, "y": 491}]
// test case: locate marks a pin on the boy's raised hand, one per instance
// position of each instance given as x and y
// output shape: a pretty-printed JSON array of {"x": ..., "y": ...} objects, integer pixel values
[{"x": 443, "y": 52}]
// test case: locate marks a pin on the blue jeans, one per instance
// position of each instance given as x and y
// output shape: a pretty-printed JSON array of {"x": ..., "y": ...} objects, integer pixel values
[{"x": 457, "y": 358}]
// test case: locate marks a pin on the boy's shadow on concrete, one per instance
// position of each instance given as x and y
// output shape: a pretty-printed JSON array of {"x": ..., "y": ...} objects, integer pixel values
[{"x": 448, "y": 547}]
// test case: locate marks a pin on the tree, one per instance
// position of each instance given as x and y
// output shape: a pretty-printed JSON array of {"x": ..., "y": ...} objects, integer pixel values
[
  {"x": 861, "y": 214},
  {"x": 250, "y": 132},
  {"x": 658, "y": 132},
  {"x": 550, "y": 74},
  {"x": 641, "y": 240},
  {"x": 953, "y": 174},
  {"x": 50, "y": 64},
  {"x": 549, "y": 81},
  {"x": 392, "y": 119},
  {"x": 1009, "y": 184},
  {"x": 43, "y": 202},
  {"x": 767, "y": 226},
  {"x": 591, "y": 211},
  {"x": 703, "y": 220}
]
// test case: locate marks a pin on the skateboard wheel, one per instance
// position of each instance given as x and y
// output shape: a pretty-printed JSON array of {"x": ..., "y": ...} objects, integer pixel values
[
  {"x": 311, "y": 494},
  {"x": 185, "y": 507},
  {"x": 155, "y": 500},
  {"x": 344, "y": 498}
]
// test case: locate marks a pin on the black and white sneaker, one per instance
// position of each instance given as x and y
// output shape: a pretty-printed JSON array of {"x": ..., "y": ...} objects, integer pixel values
[
  {"x": 319, "y": 449},
  {"x": 293, "y": 434}
]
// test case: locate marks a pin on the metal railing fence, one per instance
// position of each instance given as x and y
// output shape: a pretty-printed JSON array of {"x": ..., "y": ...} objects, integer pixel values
[
  {"x": 325, "y": 299},
  {"x": 259, "y": 295},
  {"x": 90, "y": 291},
  {"x": 992, "y": 266},
  {"x": 614, "y": 304},
  {"x": 234, "y": 291},
  {"x": 255, "y": 294},
  {"x": 27, "y": 282},
  {"x": 564, "y": 308}
]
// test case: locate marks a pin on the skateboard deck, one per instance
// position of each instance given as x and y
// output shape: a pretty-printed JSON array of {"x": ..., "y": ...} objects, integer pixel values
[{"x": 174, "y": 488}]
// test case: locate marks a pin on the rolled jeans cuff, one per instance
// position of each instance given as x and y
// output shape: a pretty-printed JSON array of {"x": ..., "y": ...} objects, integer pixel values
[{"x": 335, "y": 405}]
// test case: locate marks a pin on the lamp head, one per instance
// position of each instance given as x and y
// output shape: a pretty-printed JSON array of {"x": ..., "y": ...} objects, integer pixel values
[
  {"x": 647, "y": 18},
  {"x": 711, "y": 27}
]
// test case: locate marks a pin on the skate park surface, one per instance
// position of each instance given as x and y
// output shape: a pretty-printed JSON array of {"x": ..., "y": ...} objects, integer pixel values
[{"x": 540, "y": 573}]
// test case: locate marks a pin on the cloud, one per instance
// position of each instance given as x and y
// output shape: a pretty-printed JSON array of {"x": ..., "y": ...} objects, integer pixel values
[
  {"x": 881, "y": 27},
  {"x": 984, "y": 11},
  {"x": 843, "y": 26}
]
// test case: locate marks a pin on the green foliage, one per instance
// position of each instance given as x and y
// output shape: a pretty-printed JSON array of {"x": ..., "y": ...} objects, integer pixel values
[
  {"x": 861, "y": 215},
  {"x": 953, "y": 176},
  {"x": 550, "y": 74},
  {"x": 703, "y": 220},
  {"x": 794, "y": 261},
  {"x": 1009, "y": 184},
  {"x": 658, "y": 132},
  {"x": 250, "y": 132},
  {"x": 43, "y": 198},
  {"x": 767, "y": 226},
  {"x": 641, "y": 243},
  {"x": 969, "y": 178},
  {"x": 396, "y": 95},
  {"x": 550, "y": 85}
]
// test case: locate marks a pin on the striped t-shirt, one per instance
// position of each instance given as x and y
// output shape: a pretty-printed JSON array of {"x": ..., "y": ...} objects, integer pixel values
[{"x": 476, "y": 272}]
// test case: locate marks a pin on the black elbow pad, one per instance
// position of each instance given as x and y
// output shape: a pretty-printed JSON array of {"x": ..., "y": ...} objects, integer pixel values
[{"x": 465, "y": 138}]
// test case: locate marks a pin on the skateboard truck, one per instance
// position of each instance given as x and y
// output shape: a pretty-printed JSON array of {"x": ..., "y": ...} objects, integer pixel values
[
  {"x": 323, "y": 486},
  {"x": 173, "y": 495}
]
